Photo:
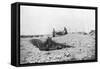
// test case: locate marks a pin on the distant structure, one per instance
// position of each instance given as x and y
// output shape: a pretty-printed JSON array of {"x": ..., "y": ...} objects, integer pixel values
[
  {"x": 92, "y": 32},
  {"x": 65, "y": 30},
  {"x": 54, "y": 32},
  {"x": 60, "y": 32}
]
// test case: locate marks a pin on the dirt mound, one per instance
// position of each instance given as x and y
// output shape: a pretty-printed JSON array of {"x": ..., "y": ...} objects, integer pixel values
[{"x": 74, "y": 39}]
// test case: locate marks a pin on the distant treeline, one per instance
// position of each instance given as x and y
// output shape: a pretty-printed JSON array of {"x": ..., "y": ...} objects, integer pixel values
[{"x": 27, "y": 36}]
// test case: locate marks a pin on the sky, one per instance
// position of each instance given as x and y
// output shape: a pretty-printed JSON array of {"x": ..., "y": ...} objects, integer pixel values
[{"x": 41, "y": 20}]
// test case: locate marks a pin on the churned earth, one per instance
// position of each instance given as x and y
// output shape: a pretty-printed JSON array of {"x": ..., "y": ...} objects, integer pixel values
[{"x": 83, "y": 49}]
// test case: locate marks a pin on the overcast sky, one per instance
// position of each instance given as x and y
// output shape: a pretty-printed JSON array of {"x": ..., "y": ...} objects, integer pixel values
[{"x": 41, "y": 20}]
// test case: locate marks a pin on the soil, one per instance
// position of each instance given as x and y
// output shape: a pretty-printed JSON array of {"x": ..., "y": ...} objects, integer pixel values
[{"x": 83, "y": 48}]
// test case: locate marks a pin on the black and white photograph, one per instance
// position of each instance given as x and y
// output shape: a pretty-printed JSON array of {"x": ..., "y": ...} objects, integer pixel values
[{"x": 50, "y": 34}]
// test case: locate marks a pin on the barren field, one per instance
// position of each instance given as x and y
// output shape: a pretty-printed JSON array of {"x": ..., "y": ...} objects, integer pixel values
[{"x": 83, "y": 49}]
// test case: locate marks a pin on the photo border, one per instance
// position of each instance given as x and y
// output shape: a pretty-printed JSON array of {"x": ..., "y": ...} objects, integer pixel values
[{"x": 16, "y": 15}]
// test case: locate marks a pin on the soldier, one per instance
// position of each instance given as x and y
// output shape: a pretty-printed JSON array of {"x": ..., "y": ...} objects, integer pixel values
[
  {"x": 48, "y": 43},
  {"x": 65, "y": 30}
]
